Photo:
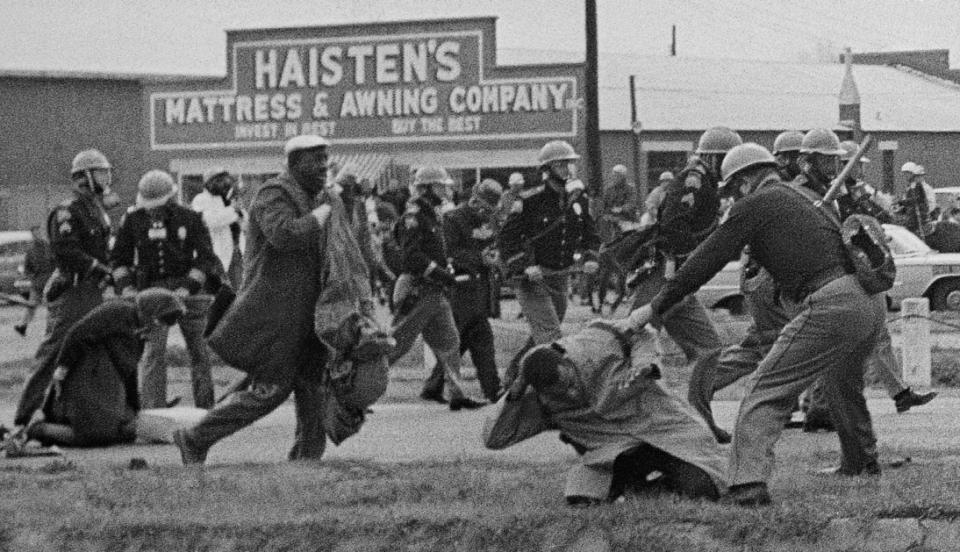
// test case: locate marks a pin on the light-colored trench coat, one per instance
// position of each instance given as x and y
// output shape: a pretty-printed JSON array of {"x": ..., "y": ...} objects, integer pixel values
[{"x": 620, "y": 408}]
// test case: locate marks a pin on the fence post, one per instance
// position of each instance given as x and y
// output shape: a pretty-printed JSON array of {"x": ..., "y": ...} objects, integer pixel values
[{"x": 915, "y": 341}]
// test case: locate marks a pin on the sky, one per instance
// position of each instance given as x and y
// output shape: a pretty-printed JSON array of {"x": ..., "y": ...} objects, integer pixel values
[{"x": 188, "y": 36}]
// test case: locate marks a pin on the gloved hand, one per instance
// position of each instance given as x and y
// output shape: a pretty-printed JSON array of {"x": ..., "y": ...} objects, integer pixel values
[
  {"x": 591, "y": 267},
  {"x": 534, "y": 273}
]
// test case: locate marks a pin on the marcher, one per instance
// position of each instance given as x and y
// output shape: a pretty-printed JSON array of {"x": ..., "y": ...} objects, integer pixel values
[
  {"x": 688, "y": 215},
  {"x": 351, "y": 194},
  {"x": 469, "y": 234},
  {"x": 833, "y": 328},
  {"x": 598, "y": 387},
  {"x": 619, "y": 205},
  {"x": 93, "y": 399},
  {"x": 654, "y": 199},
  {"x": 79, "y": 230},
  {"x": 224, "y": 219},
  {"x": 546, "y": 227},
  {"x": 268, "y": 332},
  {"x": 161, "y": 243},
  {"x": 420, "y": 298},
  {"x": 511, "y": 195},
  {"x": 786, "y": 150},
  {"x": 38, "y": 265}
]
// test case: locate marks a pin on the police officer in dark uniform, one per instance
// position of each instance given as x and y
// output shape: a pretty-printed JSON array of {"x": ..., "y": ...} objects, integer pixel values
[
  {"x": 420, "y": 292},
  {"x": 161, "y": 243},
  {"x": 688, "y": 215},
  {"x": 832, "y": 330},
  {"x": 546, "y": 227},
  {"x": 786, "y": 150},
  {"x": 79, "y": 230},
  {"x": 469, "y": 234}
]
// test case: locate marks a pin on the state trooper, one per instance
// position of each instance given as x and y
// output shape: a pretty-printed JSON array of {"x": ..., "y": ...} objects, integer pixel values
[
  {"x": 161, "y": 243},
  {"x": 469, "y": 234},
  {"x": 420, "y": 292},
  {"x": 821, "y": 152},
  {"x": 786, "y": 150},
  {"x": 79, "y": 230},
  {"x": 833, "y": 327},
  {"x": 688, "y": 215},
  {"x": 546, "y": 227}
]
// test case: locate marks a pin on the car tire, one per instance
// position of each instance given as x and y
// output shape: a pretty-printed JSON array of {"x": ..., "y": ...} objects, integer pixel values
[{"x": 946, "y": 296}]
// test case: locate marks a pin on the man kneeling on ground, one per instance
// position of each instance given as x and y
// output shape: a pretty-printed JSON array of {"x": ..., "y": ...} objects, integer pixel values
[
  {"x": 598, "y": 389},
  {"x": 93, "y": 399}
]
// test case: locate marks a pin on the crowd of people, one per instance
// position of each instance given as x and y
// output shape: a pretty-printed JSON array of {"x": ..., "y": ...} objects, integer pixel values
[{"x": 282, "y": 288}]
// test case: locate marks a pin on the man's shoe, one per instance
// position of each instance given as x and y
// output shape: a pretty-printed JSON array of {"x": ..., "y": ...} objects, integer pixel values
[
  {"x": 907, "y": 399},
  {"x": 749, "y": 495},
  {"x": 465, "y": 402},
  {"x": 188, "y": 454},
  {"x": 433, "y": 396},
  {"x": 21, "y": 329}
]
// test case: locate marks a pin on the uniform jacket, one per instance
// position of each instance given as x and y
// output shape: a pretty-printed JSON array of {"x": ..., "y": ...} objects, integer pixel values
[
  {"x": 612, "y": 408},
  {"x": 268, "y": 331},
  {"x": 534, "y": 213},
  {"x": 467, "y": 235},
  {"x": 420, "y": 238},
  {"x": 849, "y": 202},
  {"x": 689, "y": 210},
  {"x": 167, "y": 246},
  {"x": 218, "y": 218},
  {"x": 79, "y": 230}
]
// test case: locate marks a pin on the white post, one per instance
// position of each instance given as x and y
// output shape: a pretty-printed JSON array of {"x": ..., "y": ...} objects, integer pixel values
[{"x": 915, "y": 341}]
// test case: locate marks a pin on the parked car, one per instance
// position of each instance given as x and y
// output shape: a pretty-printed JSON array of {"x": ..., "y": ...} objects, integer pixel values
[
  {"x": 13, "y": 250},
  {"x": 921, "y": 272}
]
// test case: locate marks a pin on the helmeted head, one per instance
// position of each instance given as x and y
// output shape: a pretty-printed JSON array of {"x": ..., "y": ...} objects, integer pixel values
[
  {"x": 348, "y": 179},
  {"x": 431, "y": 183},
  {"x": 786, "y": 150},
  {"x": 558, "y": 160},
  {"x": 742, "y": 167},
  {"x": 307, "y": 161},
  {"x": 909, "y": 170},
  {"x": 666, "y": 177},
  {"x": 486, "y": 196},
  {"x": 820, "y": 153},
  {"x": 159, "y": 305},
  {"x": 619, "y": 173},
  {"x": 91, "y": 170},
  {"x": 714, "y": 144},
  {"x": 219, "y": 182},
  {"x": 155, "y": 188},
  {"x": 515, "y": 182}
]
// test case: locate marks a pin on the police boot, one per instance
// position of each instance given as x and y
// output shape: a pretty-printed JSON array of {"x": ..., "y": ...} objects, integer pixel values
[{"x": 907, "y": 399}]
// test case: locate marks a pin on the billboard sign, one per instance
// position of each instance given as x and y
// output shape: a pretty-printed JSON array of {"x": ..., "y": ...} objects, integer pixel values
[{"x": 368, "y": 85}]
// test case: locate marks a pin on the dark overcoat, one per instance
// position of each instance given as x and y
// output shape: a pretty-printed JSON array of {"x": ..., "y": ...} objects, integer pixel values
[{"x": 268, "y": 330}]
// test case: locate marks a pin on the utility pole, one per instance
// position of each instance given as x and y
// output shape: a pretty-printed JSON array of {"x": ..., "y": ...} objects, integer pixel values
[
  {"x": 592, "y": 127},
  {"x": 673, "y": 41},
  {"x": 637, "y": 128}
]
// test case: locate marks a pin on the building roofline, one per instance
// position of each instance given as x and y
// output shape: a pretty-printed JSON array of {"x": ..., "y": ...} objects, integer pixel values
[{"x": 100, "y": 75}]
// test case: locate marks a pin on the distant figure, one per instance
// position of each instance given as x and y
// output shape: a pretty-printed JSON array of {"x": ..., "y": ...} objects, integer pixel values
[
  {"x": 37, "y": 267},
  {"x": 224, "y": 218}
]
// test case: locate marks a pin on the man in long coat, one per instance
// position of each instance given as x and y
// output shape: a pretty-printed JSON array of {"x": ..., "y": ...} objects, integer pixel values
[
  {"x": 268, "y": 332},
  {"x": 598, "y": 388}
]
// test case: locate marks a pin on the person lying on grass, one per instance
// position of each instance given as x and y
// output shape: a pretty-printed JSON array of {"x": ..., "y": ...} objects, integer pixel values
[{"x": 599, "y": 389}]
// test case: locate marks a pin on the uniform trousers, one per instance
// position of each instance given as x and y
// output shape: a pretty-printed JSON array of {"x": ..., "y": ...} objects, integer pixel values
[
  {"x": 689, "y": 325},
  {"x": 62, "y": 313},
  {"x": 433, "y": 318},
  {"x": 258, "y": 398},
  {"x": 152, "y": 369},
  {"x": 476, "y": 336},
  {"x": 543, "y": 304},
  {"x": 831, "y": 336}
]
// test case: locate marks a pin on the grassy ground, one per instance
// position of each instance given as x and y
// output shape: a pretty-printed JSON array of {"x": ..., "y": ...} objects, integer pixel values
[{"x": 460, "y": 505}]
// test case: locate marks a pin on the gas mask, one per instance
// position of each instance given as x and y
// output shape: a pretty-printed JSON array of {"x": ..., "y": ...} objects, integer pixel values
[{"x": 100, "y": 181}]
